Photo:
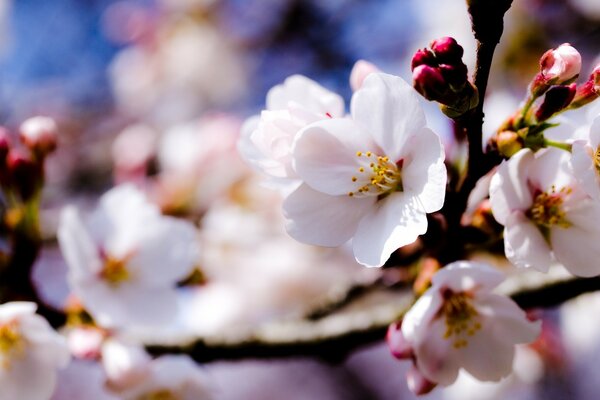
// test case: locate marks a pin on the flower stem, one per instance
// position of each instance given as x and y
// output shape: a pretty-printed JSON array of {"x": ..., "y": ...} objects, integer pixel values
[{"x": 559, "y": 145}]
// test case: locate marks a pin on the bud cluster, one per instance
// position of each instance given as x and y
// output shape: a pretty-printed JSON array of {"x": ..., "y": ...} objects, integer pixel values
[
  {"x": 551, "y": 92},
  {"x": 439, "y": 74}
]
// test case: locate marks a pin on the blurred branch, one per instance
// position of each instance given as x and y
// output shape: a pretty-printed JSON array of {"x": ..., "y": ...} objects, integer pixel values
[{"x": 361, "y": 322}]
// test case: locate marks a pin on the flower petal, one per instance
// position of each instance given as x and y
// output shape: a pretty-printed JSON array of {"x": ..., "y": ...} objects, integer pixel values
[
  {"x": 307, "y": 93},
  {"x": 463, "y": 276},
  {"x": 325, "y": 155},
  {"x": 585, "y": 170},
  {"x": 319, "y": 219},
  {"x": 76, "y": 244},
  {"x": 435, "y": 356},
  {"x": 508, "y": 188},
  {"x": 388, "y": 108},
  {"x": 524, "y": 244},
  {"x": 392, "y": 223},
  {"x": 423, "y": 171}
]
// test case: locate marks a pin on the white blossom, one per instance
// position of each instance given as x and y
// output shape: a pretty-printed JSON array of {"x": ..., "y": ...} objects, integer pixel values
[
  {"x": 31, "y": 353},
  {"x": 460, "y": 324},
  {"x": 586, "y": 161},
  {"x": 371, "y": 178},
  {"x": 266, "y": 141},
  {"x": 126, "y": 258},
  {"x": 546, "y": 215}
]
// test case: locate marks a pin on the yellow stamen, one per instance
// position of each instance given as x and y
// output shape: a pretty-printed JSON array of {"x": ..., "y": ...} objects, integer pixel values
[
  {"x": 115, "y": 271},
  {"x": 385, "y": 176},
  {"x": 461, "y": 318},
  {"x": 597, "y": 159},
  {"x": 11, "y": 343},
  {"x": 161, "y": 394},
  {"x": 547, "y": 210}
]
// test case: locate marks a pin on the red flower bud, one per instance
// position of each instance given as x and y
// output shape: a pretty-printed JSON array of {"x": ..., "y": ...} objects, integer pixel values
[
  {"x": 429, "y": 82},
  {"x": 24, "y": 173},
  {"x": 557, "y": 98},
  {"x": 423, "y": 57},
  {"x": 447, "y": 50}
]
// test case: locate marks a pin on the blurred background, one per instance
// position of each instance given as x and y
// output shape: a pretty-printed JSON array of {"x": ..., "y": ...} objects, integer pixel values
[{"x": 120, "y": 77}]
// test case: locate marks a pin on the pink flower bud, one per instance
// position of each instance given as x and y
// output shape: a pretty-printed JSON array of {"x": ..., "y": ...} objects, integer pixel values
[
  {"x": 25, "y": 174},
  {"x": 4, "y": 144},
  {"x": 417, "y": 383},
  {"x": 429, "y": 82},
  {"x": 587, "y": 92},
  {"x": 560, "y": 65},
  {"x": 447, "y": 50},
  {"x": 556, "y": 99},
  {"x": 359, "y": 72},
  {"x": 455, "y": 74},
  {"x": 39, "y": 134},
  {"x": 399, "y": 346},
  {"x": 423, "y": 57}
]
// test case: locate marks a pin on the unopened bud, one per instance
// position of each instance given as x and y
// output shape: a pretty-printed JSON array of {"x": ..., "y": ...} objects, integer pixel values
[
  {"x": 587, "y": 92},
  {"x": 399, "y": 346},
  {"x": 447, "y": 50},
  {"x": 4, "y": 144},
  {"x": 455, "y": 75},
  {"x": 417, "y": 383},
  {"x": 429, "y": 82},
  {"x": 423, "y": 57},
  {"x": 557, "y": 98},
  {"x": 39, "y": 134},
  {"x": 508, "y": 143},
  {"x": 359, "y": 72},
  {"x": 560, "y": 65}
]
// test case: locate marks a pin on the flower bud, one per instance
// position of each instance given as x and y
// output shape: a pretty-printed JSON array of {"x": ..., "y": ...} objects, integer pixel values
[
  {"x": 359, "y": 72},
  {"x": 557, "y": 98},
  {"x": 455, "y": 75},
  {"x": 587, "y": 92},
  {"x": 429, "y": 82},
  {"x": 447, "y": 50},
  {"x": 399, "y": 346},
  {"x": 4, "y": 144},
  {"x": 39, "y": 134},
  {"x": 423, "y": 57},
  {"x": 417, "y": 383},
  {"x": 560, "y": 65}
]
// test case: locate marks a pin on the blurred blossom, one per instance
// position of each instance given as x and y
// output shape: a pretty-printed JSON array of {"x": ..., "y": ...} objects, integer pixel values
[
  {"x": 82, "y": 379},
  {"x": 31, "y": 353},
  {"x": 132, "y": 150},
  {"x": 588, "y": 8},
  {"x": 187, "y": 68},
  {"x": 126, "y": 258}
]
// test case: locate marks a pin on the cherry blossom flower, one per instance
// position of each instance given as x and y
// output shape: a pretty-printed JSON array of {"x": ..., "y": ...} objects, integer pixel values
[
  {"x": 459, "y": 323},
  {"x": 560, "y": 65},
  {"x": 39, "y": 134},
  {"x": 546, "y": 214},
  {"x": 371, "y": 178},
  {"x": 586, "y": 161},
  {"x": 31, "y": 353},
  {"x": 266, "y": 141},
  {"x": 359, "y": 72},
  {"x": 125, "y": 260}
]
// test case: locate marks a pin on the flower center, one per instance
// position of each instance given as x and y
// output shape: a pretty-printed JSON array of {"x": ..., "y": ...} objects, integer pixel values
[
  {"x": 114, "y": 271},
  {"x": 377, "y": 175},
  {"x": 547, "y": 211},
  {"x": 461, "y": 318},
  {"x": 11, "y": 343},
  {"x": 597, "y": 159},
  {"x": 161, "y": 394}
]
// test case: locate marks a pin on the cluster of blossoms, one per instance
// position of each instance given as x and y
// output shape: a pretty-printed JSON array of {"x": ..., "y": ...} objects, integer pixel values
[{"x": 370, "y": 177}]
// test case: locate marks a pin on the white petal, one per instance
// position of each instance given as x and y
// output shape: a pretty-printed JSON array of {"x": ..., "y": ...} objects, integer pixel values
[
  {"x": 16, "y": 309},
  {"x": 323, "y": 220},
  {"x": 392, "y": 223},
  {"x": 585, "y": 170},
  {"x": 463, "y": 276},
  {"x": 510, "y": 323},
  {"x": 417, "y": 319},
  {"x": 551, "y": 169},
  {"x": 525, "y": 245},
  {"x": 301, "y": 90},
  {"x": 508, "y": 189},
  {"x": 595, "y": 132},
  {"x": 76, "y": 244},
  {"x": 577, "y": 249},
  {"x": 435, "y": 356},
  {"x": 388, "y": 108},
  {"x": 167, "y": 252},
  {"x": 423, "y": 170}
]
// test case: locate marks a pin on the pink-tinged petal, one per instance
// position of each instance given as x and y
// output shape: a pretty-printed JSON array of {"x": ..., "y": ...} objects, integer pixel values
[
  {"x": 392, "y": 223},
  {"x": 316, "y": 218},
  {"x": 76, "y": 244},
  {"x": 463, "y": 276},
  {"x": 399, "y": 346},
  {"x": 551, "y": 169},
  {"x": 416, "y": 321},
  {"x": 577, "y": 249},
  {"x": 508, "y": 189},
  {"x": 585, "y": 170},
  {"x": 436, "y": 357},
  {"x": 359, "y": 73},
  {"x": 307, "y": 93},
  {"x": 417, "y": 383},
  {"x": 388, "y": 109},
  {"x": 510, "y": 323},
  {"x": 525, "y": 245},
  {"x": 423, "y": 170},
  {"x": 585, "y": 214},
  {"x": 325, "y": 156}
]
